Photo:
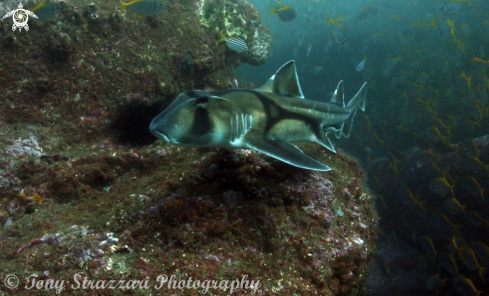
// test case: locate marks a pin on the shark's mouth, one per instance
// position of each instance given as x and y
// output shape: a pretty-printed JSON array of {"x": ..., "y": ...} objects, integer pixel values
[
  {"x": 153, "y": 128},
  {"x": 161, "y": 135}
]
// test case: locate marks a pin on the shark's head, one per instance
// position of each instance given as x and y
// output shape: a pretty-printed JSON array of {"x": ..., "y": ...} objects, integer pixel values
[{"x": 191, "y": 121}]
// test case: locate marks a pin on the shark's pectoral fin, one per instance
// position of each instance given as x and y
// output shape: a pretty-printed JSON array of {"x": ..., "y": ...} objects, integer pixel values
[{"x": 285, "y": 152}]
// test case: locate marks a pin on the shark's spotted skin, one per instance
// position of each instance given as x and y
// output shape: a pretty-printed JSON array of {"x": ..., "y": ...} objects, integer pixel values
[{"x": 265, "y": 119}]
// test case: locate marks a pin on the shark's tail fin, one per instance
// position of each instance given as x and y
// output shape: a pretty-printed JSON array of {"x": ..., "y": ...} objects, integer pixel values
[{"x": 358, "y": 102}]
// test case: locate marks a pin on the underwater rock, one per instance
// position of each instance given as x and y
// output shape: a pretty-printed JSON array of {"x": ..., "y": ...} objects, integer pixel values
[
  {"x": 238, "y": 19},
  {"x": 208, "y": 214},
  {"x": 22, "y": 148},
  {"x": 89, "y": 57},
  {"x": 260, "y": 47},
  {"x": 234, "y": 18}
]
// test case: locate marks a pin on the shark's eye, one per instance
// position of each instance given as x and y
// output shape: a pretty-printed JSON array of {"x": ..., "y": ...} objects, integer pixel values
[{"x": 201, "y": 106}]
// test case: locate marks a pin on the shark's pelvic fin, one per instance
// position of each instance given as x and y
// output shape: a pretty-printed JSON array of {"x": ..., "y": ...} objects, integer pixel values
[
  {"x": 358, "y": 102},
  {"x": 285, "y": 152},
  {"x": 339, "y": 99},
  {"x": 326, "y": 142},
  {"x": 285, "y": 82}
]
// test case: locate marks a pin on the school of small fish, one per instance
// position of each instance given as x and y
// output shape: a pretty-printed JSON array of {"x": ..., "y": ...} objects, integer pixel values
[{"x": 428, "y": 63}]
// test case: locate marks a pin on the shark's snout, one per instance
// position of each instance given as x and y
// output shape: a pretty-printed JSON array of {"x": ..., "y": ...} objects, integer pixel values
[{"x": 154, "y": 129}]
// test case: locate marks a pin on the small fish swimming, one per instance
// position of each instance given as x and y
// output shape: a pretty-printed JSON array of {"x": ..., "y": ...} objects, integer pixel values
[
  {"x": 403, "y": 76},
  {"x": 308, "y": 50},
  {"x": 423, "y": 30},
  {"x": 362, "y": 15},
  {"x": 444, "y": 67},
  {"x": 265, "y": 119},
  {"x": 471, "y": 185},
  {"x": 474, "y": 218},
  {"x": 444, "y": 30},
  {"x": 435, "y": 282},
  {"x": 441, "y": 186},
  {"x": 361, "y": 65},
  {"x": 481, "y": 250},
  {"x": 470, "y": 260},
  {"x": 339, "y": 34},
  {"x": 465, "y": 286},
  {"x": 454, "y": 206},
  {"x": 316, "y": 69},
  {"x": 455, "y": 6},
  {"x": 422, "y": 78},
  {"x": 328, "y": 46},
  {"x": 286, "y": 13},
  {"x": 388, "y": 65},
  {"x": 475, "y": 66},
  {"x": 373, "y": 9},
  {"x": 409, "y": 30},
  {"x": 143, "y": 7},
  {"x": 237, "y": 44},
  {"x": 447, "y": 28},
  {"x": 308, "y": 12},
  {"x": 448, "y": 263},
  {"x": 296, "y": 50},
  {"x": 427, "y": 245},
  {"x": 46, "y": 11}
]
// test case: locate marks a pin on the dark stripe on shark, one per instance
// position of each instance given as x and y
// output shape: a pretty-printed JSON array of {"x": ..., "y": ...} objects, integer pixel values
[
  {"x": 202, "y": 123},
  {"x": 194, "y": 94},
  {"x": 269, "y": 105}
]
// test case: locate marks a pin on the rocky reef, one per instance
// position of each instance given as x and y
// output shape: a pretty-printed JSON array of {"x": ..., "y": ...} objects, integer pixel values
[{"x": 108, "y": 212}]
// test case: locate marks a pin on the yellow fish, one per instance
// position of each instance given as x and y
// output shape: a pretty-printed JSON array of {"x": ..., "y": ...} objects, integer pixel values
[
  {"x": 143, "y": 7},
  {"x": 46, "y": 11}
]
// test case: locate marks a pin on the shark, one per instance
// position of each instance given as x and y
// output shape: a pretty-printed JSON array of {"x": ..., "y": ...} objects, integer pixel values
[{"x": 266, "y": 119}]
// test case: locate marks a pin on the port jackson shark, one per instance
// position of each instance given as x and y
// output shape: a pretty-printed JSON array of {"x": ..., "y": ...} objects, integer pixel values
[{"x": 266, "y": 119}]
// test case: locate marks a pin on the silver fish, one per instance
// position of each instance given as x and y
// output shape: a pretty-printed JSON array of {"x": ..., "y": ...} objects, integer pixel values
[{"x": 453, "y": 7}]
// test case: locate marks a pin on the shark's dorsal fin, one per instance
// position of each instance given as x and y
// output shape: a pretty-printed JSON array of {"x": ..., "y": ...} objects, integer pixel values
[
  {"x": 339, "y": 95},
  {"x": 268, "y": 86},
  {"x": 285, "y": 82}
]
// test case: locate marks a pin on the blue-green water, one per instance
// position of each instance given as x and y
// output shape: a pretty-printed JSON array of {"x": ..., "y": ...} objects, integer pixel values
[{"x": 420, "y": 138}]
